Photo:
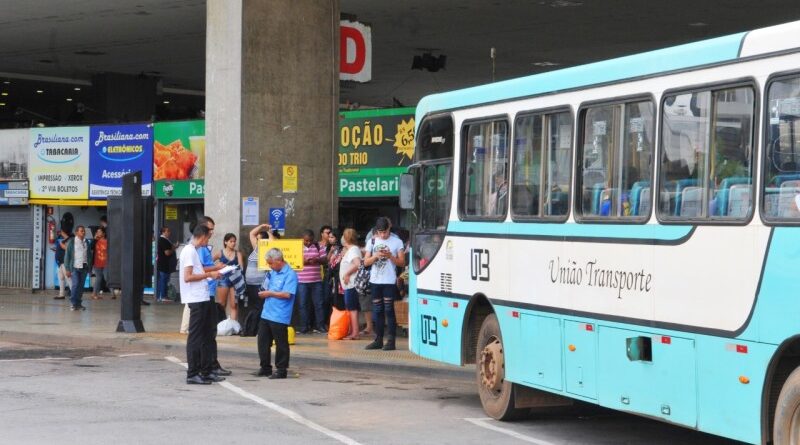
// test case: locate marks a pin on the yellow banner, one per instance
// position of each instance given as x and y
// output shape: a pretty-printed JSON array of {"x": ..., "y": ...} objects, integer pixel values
[{"x": 292, "y": 252}]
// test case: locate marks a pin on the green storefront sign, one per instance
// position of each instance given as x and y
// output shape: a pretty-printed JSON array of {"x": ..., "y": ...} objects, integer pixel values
[
  {"x": 180, "y": 189},
  {"x": 375, "y": 147}
]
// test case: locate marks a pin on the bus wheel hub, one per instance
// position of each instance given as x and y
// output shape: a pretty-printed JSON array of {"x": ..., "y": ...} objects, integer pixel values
[{"x": 492, "y": 366}]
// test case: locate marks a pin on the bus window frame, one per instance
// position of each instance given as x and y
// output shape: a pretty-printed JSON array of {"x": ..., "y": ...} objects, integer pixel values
[
  {"x": 579, "y": 122},
  {"x": 762, "y": 186},
  {"x": 462, "y": 168},
  {"x": 711, "y": 87},
  {"x": 559, "y": 219},
  {"x": 430, "y": 116}
]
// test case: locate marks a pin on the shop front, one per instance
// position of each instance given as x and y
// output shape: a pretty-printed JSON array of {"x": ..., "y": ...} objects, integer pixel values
[
  {"x": 15, "y": 237},
  {"x": 73, "y": 172},
  {"x": 375, "y": 147}
]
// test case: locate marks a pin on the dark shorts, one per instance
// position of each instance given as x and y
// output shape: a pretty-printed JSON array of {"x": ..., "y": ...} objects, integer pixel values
[{"x": 351, "y": 299}]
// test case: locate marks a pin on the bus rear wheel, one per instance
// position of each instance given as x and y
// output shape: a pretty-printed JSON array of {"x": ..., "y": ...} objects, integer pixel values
[
  {"x": 497, "y": 394},
  {"x": 786, "y": 427}
]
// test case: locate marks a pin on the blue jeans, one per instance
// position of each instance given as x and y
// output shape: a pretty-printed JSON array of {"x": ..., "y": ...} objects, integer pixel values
[
  {"x": 383, "y": 296},
  {"x": 161, "y": 285},
  {"x": 76, "y": 286},
  {"x": 312, "y": 291}
]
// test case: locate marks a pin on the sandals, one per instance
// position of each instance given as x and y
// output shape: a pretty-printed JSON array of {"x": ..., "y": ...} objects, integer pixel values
[{"x": 96, "y": 297}]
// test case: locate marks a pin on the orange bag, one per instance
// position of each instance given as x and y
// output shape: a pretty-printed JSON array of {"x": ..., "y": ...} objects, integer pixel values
[{"x": 340, "y": 324}]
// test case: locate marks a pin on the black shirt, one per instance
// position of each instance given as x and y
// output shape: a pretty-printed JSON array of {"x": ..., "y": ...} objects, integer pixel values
[{"x": 162, "y": 260}]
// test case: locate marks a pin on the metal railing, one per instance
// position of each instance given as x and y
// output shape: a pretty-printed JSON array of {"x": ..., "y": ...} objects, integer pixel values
[{"x": 15, "y": 268}]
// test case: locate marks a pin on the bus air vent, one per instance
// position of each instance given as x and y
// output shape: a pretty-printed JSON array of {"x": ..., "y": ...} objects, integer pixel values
[{"x": 446, "y": 282}]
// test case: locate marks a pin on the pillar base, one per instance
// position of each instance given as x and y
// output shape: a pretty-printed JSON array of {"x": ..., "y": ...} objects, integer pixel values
[{"x": 130, "y": 326}]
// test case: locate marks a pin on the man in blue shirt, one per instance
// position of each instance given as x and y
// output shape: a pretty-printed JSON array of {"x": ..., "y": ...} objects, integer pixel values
[{"x": 278, "y": 291}]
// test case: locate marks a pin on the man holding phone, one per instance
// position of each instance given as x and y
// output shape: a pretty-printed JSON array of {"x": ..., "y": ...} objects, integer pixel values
[{"x": 385, "y": 254}]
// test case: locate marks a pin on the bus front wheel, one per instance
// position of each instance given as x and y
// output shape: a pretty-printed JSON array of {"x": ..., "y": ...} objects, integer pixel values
[{"x": 497, "y": 394}]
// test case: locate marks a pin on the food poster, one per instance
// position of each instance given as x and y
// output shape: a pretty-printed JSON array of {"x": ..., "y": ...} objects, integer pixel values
[
  {"x": 179, "y": 150},
  {"x": 375, "y": 147},
  {"x": 116, "y": 151},
  {"x": 59, "y": 162}
]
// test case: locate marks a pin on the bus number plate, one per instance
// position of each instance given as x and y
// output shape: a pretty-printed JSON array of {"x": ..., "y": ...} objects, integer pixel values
[{"x": 430, "y": 332}]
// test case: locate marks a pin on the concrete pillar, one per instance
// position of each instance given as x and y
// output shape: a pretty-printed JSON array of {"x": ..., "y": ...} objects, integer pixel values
[{"x": 271, "y": 100}]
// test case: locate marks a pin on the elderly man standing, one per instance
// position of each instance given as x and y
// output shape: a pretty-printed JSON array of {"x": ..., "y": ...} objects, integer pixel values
[
  {"x": 202, "y": 313},
  {"x": 278, "y": 291}
]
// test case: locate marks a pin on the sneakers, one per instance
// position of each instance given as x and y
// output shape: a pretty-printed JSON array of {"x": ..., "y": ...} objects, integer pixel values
[
  {"x": 376, "y": 344},
  {"x": 79, "y": 307},
  {"x": 60, "y": 297},
  {"x": 321, "y": 330},
  {"x": 304, "y": 331},
  {"x": 389, "y": 346},
  {"x": 277, "y": 375}
]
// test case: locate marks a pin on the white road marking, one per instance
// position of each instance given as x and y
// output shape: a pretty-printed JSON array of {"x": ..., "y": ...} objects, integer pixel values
[
  {"x": 484, "y": 423},
  {"x": 34, "y": 359},
  {"x": 279, "y": 409},
  {"x": 137, "y": 354}
]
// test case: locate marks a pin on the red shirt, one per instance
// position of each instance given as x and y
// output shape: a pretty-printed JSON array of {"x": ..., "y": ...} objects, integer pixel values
[{"x": 101, "y": 253}]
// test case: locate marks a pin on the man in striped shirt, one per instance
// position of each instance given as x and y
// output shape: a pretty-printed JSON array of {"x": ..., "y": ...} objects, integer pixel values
[{"x": 309, "y": 288}]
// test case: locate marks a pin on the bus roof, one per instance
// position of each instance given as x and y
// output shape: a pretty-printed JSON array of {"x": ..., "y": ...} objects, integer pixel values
[{"x": 716, "y": 50}]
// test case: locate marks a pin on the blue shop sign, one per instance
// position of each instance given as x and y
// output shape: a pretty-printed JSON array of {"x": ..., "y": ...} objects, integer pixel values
[
  {"x": 14, "y": 193},
  {"x": 116, "y": 150}
]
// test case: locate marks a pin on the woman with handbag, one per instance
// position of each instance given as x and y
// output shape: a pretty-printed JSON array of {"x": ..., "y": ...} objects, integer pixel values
[{"x": 348, "y": 267}]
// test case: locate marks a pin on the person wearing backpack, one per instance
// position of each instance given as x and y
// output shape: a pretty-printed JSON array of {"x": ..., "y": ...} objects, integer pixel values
[{"x": 385, "y": 254}]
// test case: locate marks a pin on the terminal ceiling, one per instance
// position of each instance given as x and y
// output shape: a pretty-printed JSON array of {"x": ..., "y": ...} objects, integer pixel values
[{"x": 74, "y": 39}]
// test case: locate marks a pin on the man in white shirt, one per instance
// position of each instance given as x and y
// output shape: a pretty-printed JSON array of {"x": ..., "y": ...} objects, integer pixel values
[
  {"x": 202, "y": 313},
  {"x": 77, "y": 262}
]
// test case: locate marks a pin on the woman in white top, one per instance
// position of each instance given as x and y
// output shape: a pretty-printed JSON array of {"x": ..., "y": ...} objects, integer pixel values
[{"x": 347, "y": 274}]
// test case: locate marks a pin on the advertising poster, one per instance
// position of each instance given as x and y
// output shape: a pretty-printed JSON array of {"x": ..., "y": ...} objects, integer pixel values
[
  {"x": 292, "y": 250},
  {"x": 179, "y": 159},
  {"x": 375, "y": 147},
  {"x": 115, "y": 151},
  {"x": 59, "y": 163},
  {"x": 14, "y": 150}
]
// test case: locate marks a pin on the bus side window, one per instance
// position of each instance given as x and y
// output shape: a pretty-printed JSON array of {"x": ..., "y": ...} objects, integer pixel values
[
  {"x": 542, "y": 169},
  {"x": 707, "y": 140},
  {"x": 616, "y": 160},
  {"x": 782, "y": 160},
  {"x": 485, "y": 170}
]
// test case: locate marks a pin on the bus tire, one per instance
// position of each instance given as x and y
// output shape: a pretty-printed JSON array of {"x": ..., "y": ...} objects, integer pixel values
[
  {"x": 497, "y": 394},
  {"x": 786, "y": 427}
]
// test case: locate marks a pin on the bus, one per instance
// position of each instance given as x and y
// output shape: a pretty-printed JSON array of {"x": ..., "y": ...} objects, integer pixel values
[{"x": 624, "y": 233}]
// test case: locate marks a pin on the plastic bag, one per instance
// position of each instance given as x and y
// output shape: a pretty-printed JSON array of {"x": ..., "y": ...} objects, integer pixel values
[
  {"x": 340, "y": 324},
  {"x": 228, "y": 326}
]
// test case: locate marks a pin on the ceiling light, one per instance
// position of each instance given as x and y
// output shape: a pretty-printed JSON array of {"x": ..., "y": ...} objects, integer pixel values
[
  {"x": 69, "y": 99},
  {"x": 3, "y": 94},
  {"x": 545, "y": 64},
  {"x": 39, "y": 91},
  {"x": 2, "y": 104},
  {"x": 5, "y": 82},
  {"x": 166, "y": 102},
  {"x": 698, "y": 24},
  {"x": 77, "y": 88}
]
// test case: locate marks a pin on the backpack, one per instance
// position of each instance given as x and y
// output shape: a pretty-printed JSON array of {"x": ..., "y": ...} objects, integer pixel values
[{"x": 250, "y": 326}]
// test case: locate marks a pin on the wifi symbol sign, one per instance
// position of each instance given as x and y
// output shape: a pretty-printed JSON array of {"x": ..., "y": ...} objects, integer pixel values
[{"x": 277, "y": 218}]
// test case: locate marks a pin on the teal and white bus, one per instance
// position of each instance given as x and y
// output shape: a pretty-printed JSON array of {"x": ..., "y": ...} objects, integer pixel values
[{"x": 624, "y": 233}]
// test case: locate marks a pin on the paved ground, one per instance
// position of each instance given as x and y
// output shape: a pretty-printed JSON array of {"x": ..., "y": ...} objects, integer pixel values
[{"x": 68, "y": 378}]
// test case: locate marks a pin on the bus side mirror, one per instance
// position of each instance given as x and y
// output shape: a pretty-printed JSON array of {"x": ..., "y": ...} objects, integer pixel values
[{"x": 407, "y": 191}]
